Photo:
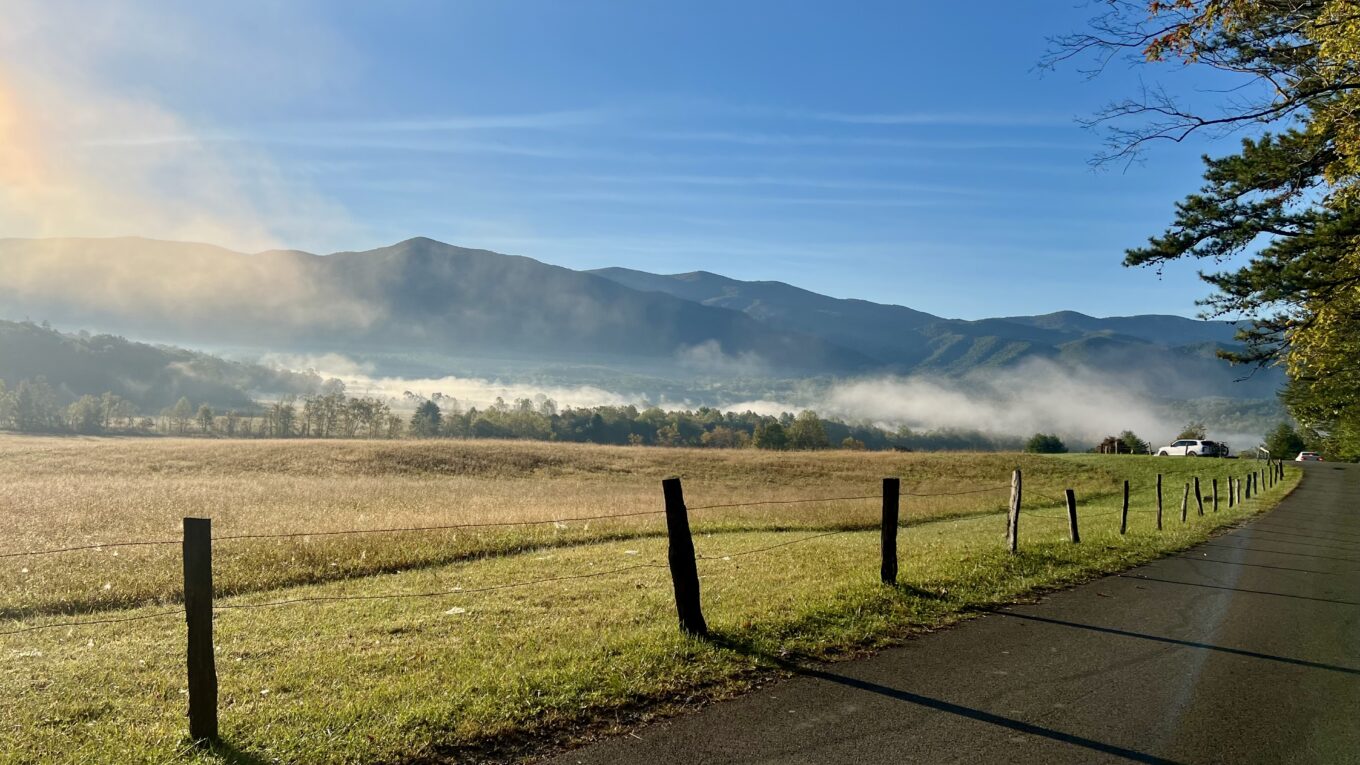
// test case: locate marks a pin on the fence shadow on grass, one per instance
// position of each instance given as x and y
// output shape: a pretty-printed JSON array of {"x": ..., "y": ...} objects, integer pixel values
[{"x": 233, "y": 755}]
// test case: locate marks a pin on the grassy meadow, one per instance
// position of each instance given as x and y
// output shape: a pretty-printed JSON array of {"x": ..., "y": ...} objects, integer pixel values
[{"x": 477, "y": 672}]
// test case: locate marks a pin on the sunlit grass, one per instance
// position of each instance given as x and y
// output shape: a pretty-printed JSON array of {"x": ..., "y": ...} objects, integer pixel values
[
  {"x": 397, "y": 679},
  {"x": 71, "y": 492}
]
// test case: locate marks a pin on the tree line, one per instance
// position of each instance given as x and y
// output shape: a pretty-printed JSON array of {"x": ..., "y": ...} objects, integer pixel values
[
  {"x": 542, "y": 419},
  {"x": 34, "y": 406}
]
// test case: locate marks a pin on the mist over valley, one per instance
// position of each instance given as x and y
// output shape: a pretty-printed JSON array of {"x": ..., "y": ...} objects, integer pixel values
[{"x": 422, "y": 319}]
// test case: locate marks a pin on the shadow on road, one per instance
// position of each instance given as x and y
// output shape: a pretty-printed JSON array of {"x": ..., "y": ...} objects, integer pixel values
[
  {"x": 1244, "y": 548},
  {"x": 1347, "y": 542},
  {"x": 736, "y": 643},
  {"x": 1193, "y": 559},
  {"x": 1176, "y": 641},
  {"x": 1142, "y": 578}
]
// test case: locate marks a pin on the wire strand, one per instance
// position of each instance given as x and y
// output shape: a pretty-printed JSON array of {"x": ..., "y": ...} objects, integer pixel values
[
  {"x": 775, "y": 546},
  {"x": 88, "y": 547},
  {"x": 958, "y": 493},
  {"x": 400, "y": 529},
  {"x": 784, "y": 502},
  {"x": 159, "y": 615},
  {"x": 440, "y": 593}
]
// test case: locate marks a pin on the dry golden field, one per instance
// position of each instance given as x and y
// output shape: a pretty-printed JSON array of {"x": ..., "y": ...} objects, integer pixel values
[{"x": 61, "y": 492}]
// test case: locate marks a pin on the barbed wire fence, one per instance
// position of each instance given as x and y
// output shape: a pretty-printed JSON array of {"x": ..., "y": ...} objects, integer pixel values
[{"x": 197, "y": 542}]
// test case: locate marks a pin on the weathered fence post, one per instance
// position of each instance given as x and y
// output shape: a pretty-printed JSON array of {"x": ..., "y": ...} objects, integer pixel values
[
  {"x": 1124, "y": 512},
  {"x": 891, "y": 491},
  {"x": 1185, "y": 503},
  {"x": 680, "y": 555},
  {"x": 1013, "y": 519},
  {"x": 1159, "y": 501},
  {"x": 1072, "y": 515},
  {"x": 1199, "y": 498},
  {"x": 198, "y": 614},
  {"x": 1232, "y": 491},
  {"x": 1249, "y": 484},
  {"x": 1215, "y": 490}
]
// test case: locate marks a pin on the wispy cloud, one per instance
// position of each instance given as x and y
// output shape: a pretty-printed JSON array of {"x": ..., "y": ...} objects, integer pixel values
[
  {"x": 836, "y": 184},
  {"x": 952, "y": 119},
  {"x": 634, "y": 198},
  {"x": 761, "y": 138},
  {"x": 548, "y": 120}
]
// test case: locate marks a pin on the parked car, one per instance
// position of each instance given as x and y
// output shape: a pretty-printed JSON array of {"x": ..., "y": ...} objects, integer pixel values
[
  {"x": 1191, "y": 447},
  {"x": 1308, "y": 457}
]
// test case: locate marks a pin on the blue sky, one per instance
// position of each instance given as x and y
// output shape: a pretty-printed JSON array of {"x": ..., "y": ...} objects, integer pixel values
[{"x": 902, "y": 152}]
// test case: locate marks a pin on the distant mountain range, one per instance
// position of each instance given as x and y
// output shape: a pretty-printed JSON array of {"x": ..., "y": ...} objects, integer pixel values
[{"x": 426, "y": 296}]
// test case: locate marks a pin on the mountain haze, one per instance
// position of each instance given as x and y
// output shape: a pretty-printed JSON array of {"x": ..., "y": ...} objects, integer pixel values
[
  {"x": 1172, "y": 355},
  {"x": 418, "y": 295},
  {"x": 425, "y": 296}
]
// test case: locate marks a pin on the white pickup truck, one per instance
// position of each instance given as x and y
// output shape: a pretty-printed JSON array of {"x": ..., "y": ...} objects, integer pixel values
[{"x": 1190, "y": 447}]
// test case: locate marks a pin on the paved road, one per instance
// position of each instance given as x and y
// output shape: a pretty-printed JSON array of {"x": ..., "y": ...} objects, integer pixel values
[{"x": 1243, "y": 650}]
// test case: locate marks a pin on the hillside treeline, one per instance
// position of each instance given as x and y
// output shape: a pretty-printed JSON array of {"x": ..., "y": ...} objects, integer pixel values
[
  {"x": 149, "y": 377},
  {"x": 33, "y": 406}
]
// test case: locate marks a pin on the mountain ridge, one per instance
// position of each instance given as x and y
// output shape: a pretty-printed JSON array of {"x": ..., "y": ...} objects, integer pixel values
[{"x": 422, "y": 294}]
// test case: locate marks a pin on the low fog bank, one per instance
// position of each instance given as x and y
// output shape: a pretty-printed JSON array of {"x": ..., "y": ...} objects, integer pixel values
[
  {"x": 1080, "y": 406},
  {"x": 362, "y": 379}
]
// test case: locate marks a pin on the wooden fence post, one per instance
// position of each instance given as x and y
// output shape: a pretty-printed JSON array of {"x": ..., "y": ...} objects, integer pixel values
[
  {"x": 1232, "y": 491},
  {"x": 1247, "y": 494},
  {"x": 891, "y": 491},
  {"x": 1185, "y": 503},
  {"x": 1199, "y": 498},
  {"x": 1215, "y": 490},
  {"x": 198, "y": 614},
  {"x": 1013, "y": 519},
  {"x": 1124, "y": 513},
  {"x": 1072, "y": 515},
  {"x": 1159, "y": 501},
  {"x": 680, "y": 555}
]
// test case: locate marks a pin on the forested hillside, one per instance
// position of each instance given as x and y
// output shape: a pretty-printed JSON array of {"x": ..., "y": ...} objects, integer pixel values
[{"x": 149, "y": 377}]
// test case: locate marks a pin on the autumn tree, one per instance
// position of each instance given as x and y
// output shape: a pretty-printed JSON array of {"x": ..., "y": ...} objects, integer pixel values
[
  {"x": 35, "y": 406},
  {"x": 204, "y": 418},
  {"x": 85, "y": 416},
  {"x": 770, "y": 436},
  {"x": 1132, "y": 443},
  {"x": 6, "y": 407},
  {"x": 807, "y": 432},
  {"x": 1195, "y": 430},
  {"x": 1289, "y": 199},
  {"x": 1284, "y": 441},
  {"x": 1045, "y": 443},
  {"x": 425, "y": 420},
  {"x": 180, "y": 414}
]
